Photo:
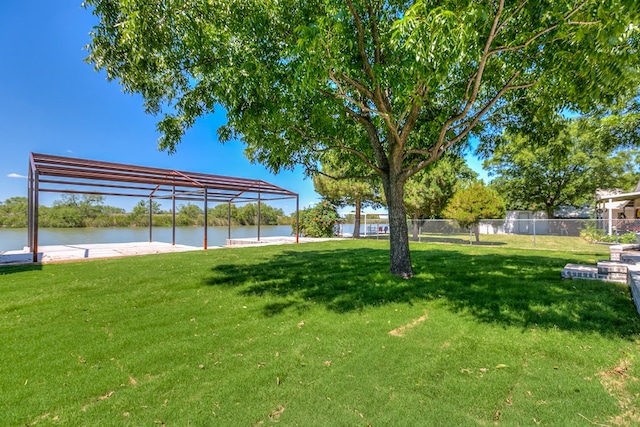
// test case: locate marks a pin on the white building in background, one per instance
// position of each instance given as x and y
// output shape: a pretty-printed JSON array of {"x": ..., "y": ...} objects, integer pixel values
[{"x": 517, "y": 222}]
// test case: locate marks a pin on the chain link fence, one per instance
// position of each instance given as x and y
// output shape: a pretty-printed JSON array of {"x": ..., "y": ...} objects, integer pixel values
[{"x": 428, "y": 229}]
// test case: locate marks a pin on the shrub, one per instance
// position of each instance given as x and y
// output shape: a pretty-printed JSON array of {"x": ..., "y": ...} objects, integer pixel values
[
  {"x": 473, "y": 203},
  {"x": 317, "y": 221},
  {"x": 592, "y": 234}
]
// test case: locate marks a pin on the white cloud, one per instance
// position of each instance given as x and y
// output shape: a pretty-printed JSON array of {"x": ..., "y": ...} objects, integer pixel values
[{"x": 15, "y": 175}]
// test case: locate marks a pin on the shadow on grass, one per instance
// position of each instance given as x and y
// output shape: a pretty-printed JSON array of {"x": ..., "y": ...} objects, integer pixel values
[
  {"x": 507, "y": 289},
  {"x": 18, "y": 268}
]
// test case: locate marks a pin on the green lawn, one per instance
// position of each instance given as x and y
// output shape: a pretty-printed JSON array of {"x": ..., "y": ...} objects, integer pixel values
[
  {"x": 319, "y": 334},
  {"x": 521, "y": 241}
]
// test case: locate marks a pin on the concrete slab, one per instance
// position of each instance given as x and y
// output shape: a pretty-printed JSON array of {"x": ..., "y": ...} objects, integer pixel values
[
  {"x": 63, "y": 253},
  {"x": 275, "y": 240}
]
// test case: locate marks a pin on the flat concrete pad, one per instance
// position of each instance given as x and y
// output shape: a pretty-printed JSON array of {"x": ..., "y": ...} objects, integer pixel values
[
  {"x": 61, "y": 253},
  {"x": 275, "y": 240}
]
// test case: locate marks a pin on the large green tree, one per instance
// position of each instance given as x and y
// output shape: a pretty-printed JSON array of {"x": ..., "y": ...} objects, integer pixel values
[
  {"x": 472, "y": 203},
  {"x": 74, "y": 210},
  {"x": 337, "y": 183},
  {"x": 13, "y": 212},
  {"x": 585, "y": 155},
  {"x": 428, "y": 192},
  {"x": 140, "y": 213},
  {"x": 390, "y": 83},
  {"x": 189, "y": 214}
]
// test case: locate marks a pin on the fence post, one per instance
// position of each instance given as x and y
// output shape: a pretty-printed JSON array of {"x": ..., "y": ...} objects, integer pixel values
[{"x": 534, "y": 229}]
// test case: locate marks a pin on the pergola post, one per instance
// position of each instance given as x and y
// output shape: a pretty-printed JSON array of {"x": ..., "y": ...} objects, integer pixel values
[
  {"x": 150, "y": 219},
  {"x": 205, "y": 218},
  {"x": 258, "y": 214},
  {"x": 229, "y": 221},
  {"x": 173, "y": 216},
  {"x": 29, "y": 207},
  {"x": 34, "y": 215}
]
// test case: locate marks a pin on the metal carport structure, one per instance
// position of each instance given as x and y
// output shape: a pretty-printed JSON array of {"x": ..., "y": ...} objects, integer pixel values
[{"x": 57, "y": 174}]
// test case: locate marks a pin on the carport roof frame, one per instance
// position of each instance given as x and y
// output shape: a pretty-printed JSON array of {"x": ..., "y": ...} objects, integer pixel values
[
  {"x": 58, "y": 174},
  {"x": 65, "y": 175}
]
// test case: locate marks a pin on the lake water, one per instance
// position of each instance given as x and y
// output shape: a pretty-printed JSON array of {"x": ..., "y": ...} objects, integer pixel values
[{"x": 16, "y": 238}]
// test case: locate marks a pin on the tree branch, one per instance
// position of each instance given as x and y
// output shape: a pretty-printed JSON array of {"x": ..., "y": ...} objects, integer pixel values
[
  {"x": 514, "y": 13},
  {"x": 339, "y": 145},
  {"x": 343, "y": 177},
  {"x": 363, "y": 53},
  {"x": 355, "y": 83},
  {"x": 374, "y": 140},
  {"x": 375, "y": 35},
  {"x": 544, "y": 31},
  {"x": 477, "y": 80},
  {"x": 414, "y": 113},
  {"x": 476, "y": 118},
  {"x": 370, "y": 128},
  {"x": 378, "y": 97}
]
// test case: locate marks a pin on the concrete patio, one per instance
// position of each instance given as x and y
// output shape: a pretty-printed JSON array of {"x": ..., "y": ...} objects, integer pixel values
[
  {"x": 83, "y": 251},
  {"x": 63, "y": 253}
]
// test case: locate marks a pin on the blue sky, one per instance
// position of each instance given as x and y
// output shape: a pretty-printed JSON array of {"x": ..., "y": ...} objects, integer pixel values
[{"x": 52, "y": 102}]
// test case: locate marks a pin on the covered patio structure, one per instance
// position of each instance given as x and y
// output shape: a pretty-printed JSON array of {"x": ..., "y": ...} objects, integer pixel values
[
  {"x": 618, "y": 211},
  {"x": 57, "y": 174}
]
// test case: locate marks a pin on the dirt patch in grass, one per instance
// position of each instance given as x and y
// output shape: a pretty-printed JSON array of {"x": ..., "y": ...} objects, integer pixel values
[
  {"x": 98, "y": 399},
  {"x": 615, "y": 382},
  {"x": 399, "y": 332},
  {"x": 274, "y": 416}
]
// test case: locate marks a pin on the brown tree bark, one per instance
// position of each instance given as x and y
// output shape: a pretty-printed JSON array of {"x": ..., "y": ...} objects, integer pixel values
[
  {"x": 399, "y": 255},
  {"x": 356, "y": 221}
]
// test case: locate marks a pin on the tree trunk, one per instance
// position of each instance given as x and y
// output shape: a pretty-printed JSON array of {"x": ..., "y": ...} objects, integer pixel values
[
  {"x": 550, "y": 213},
  {"x": 356, "y": 221},
  {"x": 476, "y": 231},
  {"x": 415, "y": 227},
  {"x": 400, "y": 257}
]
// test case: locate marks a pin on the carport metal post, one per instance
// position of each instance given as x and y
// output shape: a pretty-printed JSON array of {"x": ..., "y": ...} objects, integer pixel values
[
  {"x": 229, "y": 221},
  {"x": 150, "y": 219},
  {"x": 205, "y": 218},
  {"x": 173, "y": 216},
  {"x": 29, "y": 206},
  {"x": 258, "y": 213},
  {"x": 34, "y": 215}
]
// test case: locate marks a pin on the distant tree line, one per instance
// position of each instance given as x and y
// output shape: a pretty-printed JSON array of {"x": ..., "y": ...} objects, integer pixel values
[{"x": 90, "y": 211}]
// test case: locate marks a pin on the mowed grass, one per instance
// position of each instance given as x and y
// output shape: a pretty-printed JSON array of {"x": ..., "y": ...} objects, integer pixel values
[
  {"x": 520, "y": 241},
  {"x": 318, "y": 334}
]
